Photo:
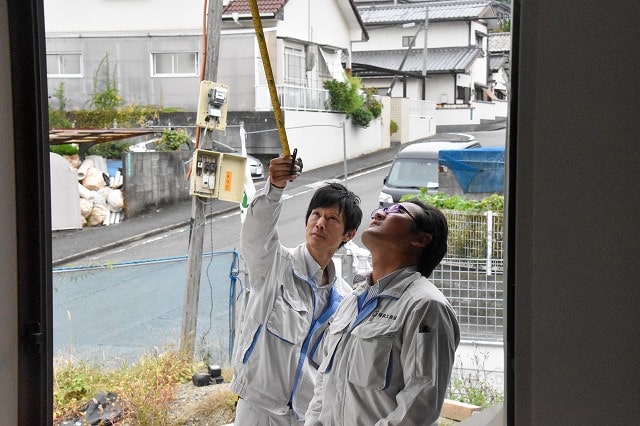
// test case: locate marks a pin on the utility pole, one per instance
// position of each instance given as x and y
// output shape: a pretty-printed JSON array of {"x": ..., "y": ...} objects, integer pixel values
[
  {"x": 424, "y": 55},
  {"x": 198, "y": 214}
]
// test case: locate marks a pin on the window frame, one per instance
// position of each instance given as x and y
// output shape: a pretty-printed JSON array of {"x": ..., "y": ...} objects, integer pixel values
[
  {"x": 174, "y": 64},
  {"x": 60, "y": 64},
  {"x": 298, "y": 53},
  {"x": 408, "y": 41}
]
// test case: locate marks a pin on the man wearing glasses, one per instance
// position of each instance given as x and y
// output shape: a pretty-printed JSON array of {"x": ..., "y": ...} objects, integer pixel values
[{"x": 390, "y": 349}]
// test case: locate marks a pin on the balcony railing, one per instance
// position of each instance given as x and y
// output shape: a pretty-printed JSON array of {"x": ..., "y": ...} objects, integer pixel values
[{"x": 303, "y": 98}]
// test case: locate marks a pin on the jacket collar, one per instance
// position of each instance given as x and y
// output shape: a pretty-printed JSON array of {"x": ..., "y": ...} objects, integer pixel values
[
  {"x": 306, "y": 267},
  {"x": 398, "y": 284}
]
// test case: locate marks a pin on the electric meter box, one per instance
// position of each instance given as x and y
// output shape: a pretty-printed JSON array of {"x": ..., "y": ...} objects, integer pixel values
[
  {"x": 217, "y": 175},
  {"x": 212, "y": 105}
]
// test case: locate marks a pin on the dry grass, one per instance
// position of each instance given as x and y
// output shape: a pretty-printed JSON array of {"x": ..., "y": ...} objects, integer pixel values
[
  {"x": 151, "y": 391},
  {"x": 208, "y": 405}
]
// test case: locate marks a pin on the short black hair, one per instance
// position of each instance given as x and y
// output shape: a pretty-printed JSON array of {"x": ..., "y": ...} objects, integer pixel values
[
  {"x": 432, "y": 221},
  {"x": 348, "y": 204}
]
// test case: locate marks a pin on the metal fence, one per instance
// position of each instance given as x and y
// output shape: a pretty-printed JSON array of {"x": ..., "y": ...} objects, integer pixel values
[
  {"x": 476, "y": 296},
  {"x": 471, "y": 275},
  {"x": 303, "y": 98}
]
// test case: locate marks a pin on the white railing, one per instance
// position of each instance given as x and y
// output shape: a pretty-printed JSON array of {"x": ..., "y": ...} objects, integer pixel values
[{"x": 303, "y": 98}]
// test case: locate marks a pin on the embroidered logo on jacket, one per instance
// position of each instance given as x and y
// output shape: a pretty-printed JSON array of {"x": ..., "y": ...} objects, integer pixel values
[{"x": 378, "y": 314}]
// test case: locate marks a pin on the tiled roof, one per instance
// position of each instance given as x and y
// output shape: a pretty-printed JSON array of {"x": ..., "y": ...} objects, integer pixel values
[
  {"x": 438, "y": 11},
  {"x": 264, "y": 6},
  {"x": 499, "y": 42},
  {"x": 440, "y": 60},
  {"x": 241, "y": 8}
]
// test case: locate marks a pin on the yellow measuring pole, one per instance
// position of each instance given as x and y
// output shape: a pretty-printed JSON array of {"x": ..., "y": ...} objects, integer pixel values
[{"x": 266, "y": 63}]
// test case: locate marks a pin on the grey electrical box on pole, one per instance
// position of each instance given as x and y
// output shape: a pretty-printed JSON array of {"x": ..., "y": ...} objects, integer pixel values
[{"x": 198, "y": 216}]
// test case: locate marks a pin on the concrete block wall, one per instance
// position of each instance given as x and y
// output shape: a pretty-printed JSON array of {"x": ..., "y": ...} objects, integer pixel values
[{"x": 153, "y": 180}]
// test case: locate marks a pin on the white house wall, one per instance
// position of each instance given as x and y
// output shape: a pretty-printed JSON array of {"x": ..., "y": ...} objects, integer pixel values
[
  {"x": 239, "y": 69},
  {"x": 447, "y": 34},
  {"x": 320, "y": 141},
  {"x": 441, "y": 89},
  {"x": 129, "y": 60},
  {"x": 479, "y": 70},
  {"x": 90, "y": 16},
  {"x": 387, "y": 38},
  {"x": 440, "y": 34},
  {"x": 316, "y": 21}
]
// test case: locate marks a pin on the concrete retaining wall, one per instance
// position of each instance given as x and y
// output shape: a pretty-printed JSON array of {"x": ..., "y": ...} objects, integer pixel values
[{"x": 153, "y": 180}]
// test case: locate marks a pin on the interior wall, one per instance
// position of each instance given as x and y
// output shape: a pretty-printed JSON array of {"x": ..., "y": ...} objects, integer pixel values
[
  {"x": 8, "y": 260},
  {"x": 573, "y": 208}
]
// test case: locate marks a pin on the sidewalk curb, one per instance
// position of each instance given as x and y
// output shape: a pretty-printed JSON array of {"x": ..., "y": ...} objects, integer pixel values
[
  {"x": 183, "y": 223},
  {"x": 134, "y": 238}
]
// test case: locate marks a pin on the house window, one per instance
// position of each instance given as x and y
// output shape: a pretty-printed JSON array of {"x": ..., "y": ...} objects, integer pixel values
[
  {"x": 64, "y": 65},
  {"x": 463, "y": 94},
  {"x": 174, "y": 64},
  {"x": 294, "y": 66},
  {"x": 408, "y": 41},
  {"x": 480, "y": 38}
]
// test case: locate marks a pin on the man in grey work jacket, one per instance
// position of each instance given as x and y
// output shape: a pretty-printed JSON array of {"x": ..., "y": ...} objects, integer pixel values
[
  {"x": 390, "y": 348},
  {"x": 294, "y": 293}
]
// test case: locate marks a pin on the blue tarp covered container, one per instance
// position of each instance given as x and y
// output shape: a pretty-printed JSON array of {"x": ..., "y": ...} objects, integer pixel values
[{"x": 476, "y": 170}]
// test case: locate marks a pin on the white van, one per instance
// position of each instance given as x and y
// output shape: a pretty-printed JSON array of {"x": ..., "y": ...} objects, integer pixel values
[{"x": 416, "y": 166}]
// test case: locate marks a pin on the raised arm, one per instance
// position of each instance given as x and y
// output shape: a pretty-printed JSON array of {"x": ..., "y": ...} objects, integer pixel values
[{"x": 259, "y": 236}]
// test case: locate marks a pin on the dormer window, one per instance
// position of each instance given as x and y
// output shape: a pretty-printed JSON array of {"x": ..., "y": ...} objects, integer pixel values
[{"x": 480, "y": 42}]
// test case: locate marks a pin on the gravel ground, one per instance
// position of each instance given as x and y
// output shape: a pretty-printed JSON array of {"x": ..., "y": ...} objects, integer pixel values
[{"x": 190, "y": 406}]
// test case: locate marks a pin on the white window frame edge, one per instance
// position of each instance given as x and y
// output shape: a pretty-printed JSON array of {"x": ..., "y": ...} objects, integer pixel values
[
  {"x": 58, "y": 54},
  {"x": 152, "y": 74}
]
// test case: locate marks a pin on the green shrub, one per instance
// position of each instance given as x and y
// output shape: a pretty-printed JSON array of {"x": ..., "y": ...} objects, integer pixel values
[
  {"x": 468, "y": 222},
  {"x": 346, "y": 97},
  {"x": 64, "y": 149},
  {"x": 171, "y": 140},
  {"x": 441, "y": 200},
  {"x": 57, "y": 116},
  {"x": 58, "y": 119},
  {"x": 362, "y": 117},
  {"x": 393, "y": 127},
  {"x": 371, "y": 103},
  {"x": 111, "y": 150},
  {"x": 106, "y": 95},
  {"x": 127, "y": 116}
]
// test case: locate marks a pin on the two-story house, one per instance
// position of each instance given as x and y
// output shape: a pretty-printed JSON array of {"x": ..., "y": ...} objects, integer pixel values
[
  {"x": 305, "y": 41},
  {"x": 151, "y": 53},
  {"x": 435, "y": 51}
]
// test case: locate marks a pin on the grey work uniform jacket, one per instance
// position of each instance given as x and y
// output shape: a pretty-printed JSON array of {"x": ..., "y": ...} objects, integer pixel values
[
  {"x": 277, "y": 352},
  {"x": 389, "y": 361}
]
